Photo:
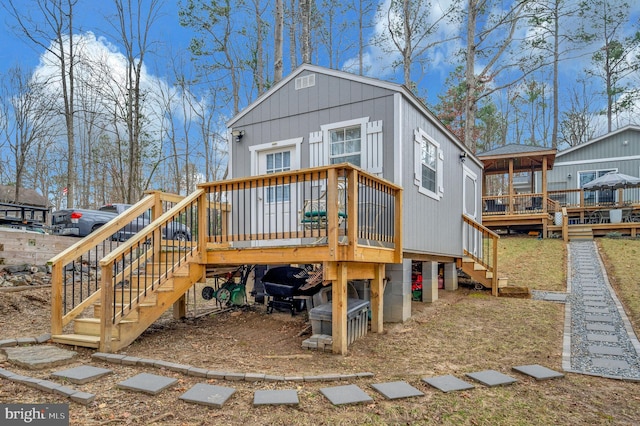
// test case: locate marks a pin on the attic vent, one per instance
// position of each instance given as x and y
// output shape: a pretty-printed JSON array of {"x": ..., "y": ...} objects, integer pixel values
[{"x": 305, "y": 81}]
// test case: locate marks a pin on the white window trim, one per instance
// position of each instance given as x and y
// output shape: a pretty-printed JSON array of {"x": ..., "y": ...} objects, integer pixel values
[
  {"x": 276, "y": 146},
  {"x": 419, "y": 135},
  {"x": 467, "y": 172},
  {"x": 615, "y": 169},
  {"x": 326, "y": 128}
]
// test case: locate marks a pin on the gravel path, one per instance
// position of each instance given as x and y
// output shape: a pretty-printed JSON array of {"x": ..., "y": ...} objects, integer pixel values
[{"x": 598, "y": 337}]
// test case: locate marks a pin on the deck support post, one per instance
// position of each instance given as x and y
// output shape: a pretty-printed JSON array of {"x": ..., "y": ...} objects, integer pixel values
[
  {"x": 180, "y": 308},
  {"x": 57, "y": 278},
  {"x": 429, "y": 281},
  {"x": 377, "y": 299},
  {"x": 450, "y": 276},
  {"x": 339, "y": 310},
  {"x": 106, "y": 309}
]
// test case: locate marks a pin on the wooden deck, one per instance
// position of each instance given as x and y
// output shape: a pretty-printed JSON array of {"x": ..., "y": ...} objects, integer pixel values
[
  {"x": 255, "y": 220},
  {"x": 581, "y": 209}
]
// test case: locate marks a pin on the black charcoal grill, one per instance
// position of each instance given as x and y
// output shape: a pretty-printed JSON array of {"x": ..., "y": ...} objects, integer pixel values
[{"x": 282, "y": 285}]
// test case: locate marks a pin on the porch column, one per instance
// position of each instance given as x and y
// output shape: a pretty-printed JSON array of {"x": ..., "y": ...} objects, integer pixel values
[
  {"x": 397, "y": 294},
  {"x": 450, "y": 276},
  {"x": 339, "y": 310},
  {"x": 429, "y": 281},
  {"x": 510, "y": 187},
  {"x": 544, "y": 188}
]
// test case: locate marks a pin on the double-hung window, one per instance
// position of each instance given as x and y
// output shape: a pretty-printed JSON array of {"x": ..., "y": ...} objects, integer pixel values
[
  {"x": 278, "y": 162},
  {"x": 429, "y": 165},
  {"x": 345, "y": 145}
]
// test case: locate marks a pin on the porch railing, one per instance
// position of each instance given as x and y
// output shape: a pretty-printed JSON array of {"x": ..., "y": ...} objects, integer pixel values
[
  {"x": 582, "y": 198},
  {"x": 310, "y": 206},
  {"x": 481, "y": 244}
]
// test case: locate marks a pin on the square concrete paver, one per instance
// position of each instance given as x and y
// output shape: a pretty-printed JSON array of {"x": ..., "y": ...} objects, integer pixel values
[
  {"x": 595, "y": 304},
  {"x": 147, "y": 383},
  {"x": 538, "y": 372},
  {"x": 492, "y": 378},
  {"x": 396, "y": 390},
  {"x": 276, "y": 397},
  {"x": 214, "y": 396},
  {"x": 348, "y": 394},
  {"x": 448, "y": 383},
  {"x": 596, "y": 310},
  {"x": 81, "y": 375}
]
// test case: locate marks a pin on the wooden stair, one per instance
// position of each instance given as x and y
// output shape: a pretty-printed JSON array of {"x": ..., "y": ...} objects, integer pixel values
[
  {"x": 480, "y": 274},
  {"x": 580, "y": 233},
  {"x": 87, "y": 328}
]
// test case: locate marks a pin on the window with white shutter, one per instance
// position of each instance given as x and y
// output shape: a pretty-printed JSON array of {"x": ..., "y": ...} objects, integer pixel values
[{"x": 428, "y": 165}]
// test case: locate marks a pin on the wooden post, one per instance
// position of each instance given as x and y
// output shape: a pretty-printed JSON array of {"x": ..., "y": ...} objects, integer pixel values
[
  {"x": 57, "y": 276},
  {"x": 565, "y": 225},
  {"x": 339, "y": 310},
  {"x": 494, "y": 278},
  {"x": 511, "y": 186},
  {"x": 203, "y": 228},
  {"x": 180, "y": 308},
  {"x": 377, "y": 299},
  {"x": 106, "y": 307}
]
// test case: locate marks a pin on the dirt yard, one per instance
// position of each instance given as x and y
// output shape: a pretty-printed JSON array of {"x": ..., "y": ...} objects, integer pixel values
[{"x": 463, "y": 332}]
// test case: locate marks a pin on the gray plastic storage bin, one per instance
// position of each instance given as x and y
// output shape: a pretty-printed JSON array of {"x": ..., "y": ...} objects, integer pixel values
[{"x": 357, "y": 319}]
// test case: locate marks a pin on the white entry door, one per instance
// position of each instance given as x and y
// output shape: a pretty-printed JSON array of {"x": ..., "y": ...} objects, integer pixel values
[{"x": 277, "y": 203}]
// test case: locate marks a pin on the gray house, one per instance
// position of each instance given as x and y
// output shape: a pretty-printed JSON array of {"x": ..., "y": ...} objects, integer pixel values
[
  {"x": 318, "y": 116},
  {"x": 617, "y": 151}
]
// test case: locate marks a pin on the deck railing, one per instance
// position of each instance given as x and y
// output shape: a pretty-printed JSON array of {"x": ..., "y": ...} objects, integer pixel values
[
  {"x": 76, "y": 274},
  {"x": 481, "y": 244},
  {"x": 582, "y": 198},
  {"x": 310, "y": 206},
  {"x": 518, "y": 204}
]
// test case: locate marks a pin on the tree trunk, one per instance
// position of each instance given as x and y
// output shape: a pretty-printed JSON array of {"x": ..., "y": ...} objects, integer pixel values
[{"x": 278, "y": 41}]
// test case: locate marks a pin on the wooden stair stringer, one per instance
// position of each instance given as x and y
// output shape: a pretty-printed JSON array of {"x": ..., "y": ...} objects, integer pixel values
[
  {"x": 479, "y": 273},
  {"x": 170, "y": 291}
]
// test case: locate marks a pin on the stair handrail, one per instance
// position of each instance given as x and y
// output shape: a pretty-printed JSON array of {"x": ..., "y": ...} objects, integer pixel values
[
  {"x": 86, "y": 253},
  {"x": 131, "y": 259},
  {"x": 488, "y": 255}
]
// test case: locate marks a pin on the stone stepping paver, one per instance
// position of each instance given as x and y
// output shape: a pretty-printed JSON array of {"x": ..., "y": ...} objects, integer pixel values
[
  {"x": 147, "y": 383},
  {"x": 348, "y": 394},
  {"x": 600, "y": 327},
  {"x": 396, "y": 390},
  {"x": 594, "y": 337},
  {"x": 538, "y": 372},
  {"x": 613, "y": 364},
  {"x": 491, "y": 378},
  {"x": 599, "y": 318},
  {"x": 605, "y": 350},
  {"x": 595, "y": 304},
  {"x": 211, "y": 395},
  {"x": 275, "y": 397},
  {"x": 555, "y": 297},
  {"x": 448, "y": 383},
  {"x": 596, "y": 310},
  {"x": 39, "y": 357},
  {"x": 82, "y": 375}
]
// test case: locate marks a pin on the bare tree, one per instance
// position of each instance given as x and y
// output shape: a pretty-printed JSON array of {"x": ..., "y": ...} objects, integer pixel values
[
  {"x": 51, "y": 28},
  {"x": 292, "y": 15},
  {"x": 134, "y": 21},
  {"x": 615, "y": 58},
  {"x": 412, "y": 29},
  {"x": 578, "y": 124},
  {"x": 278, "y": 37},
  {"x": 490, "y": 33},
  {"x": 559, "y": 37},
  {"x": 29, "y": 106},
  {"x": 306, "y": 7}
]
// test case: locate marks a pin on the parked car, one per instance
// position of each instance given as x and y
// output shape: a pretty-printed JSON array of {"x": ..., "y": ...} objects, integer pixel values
[{"x": 82, "y": 222}]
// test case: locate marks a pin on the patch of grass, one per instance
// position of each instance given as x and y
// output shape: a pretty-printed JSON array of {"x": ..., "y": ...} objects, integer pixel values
[
  {"x": 530, "y": 262},
  {"x": 621, "y": 260}
]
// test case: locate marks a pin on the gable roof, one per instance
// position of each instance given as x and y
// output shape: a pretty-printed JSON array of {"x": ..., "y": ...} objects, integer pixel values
[
  {"x": 402, "y": 89},
  {"x": 513, "y": 148},
  {"x": 598, "y": 139}
]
